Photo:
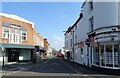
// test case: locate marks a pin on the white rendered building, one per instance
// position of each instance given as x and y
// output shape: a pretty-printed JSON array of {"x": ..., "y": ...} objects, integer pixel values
[{"x": 96, "y": 35}]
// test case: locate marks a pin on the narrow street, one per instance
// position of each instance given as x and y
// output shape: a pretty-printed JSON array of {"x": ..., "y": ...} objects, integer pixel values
[{"x": 52, "y": 67}]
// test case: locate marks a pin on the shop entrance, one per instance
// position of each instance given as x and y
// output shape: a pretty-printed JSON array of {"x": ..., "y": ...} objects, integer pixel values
[
  {"x": 13, "y": 55},
  {"x": 68, "y": 55}
]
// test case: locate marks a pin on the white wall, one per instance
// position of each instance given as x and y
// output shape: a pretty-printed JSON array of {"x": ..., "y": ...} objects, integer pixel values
[
  {"x": 25, "y": 55},
  {"x": 119, "y": 12},
  {"x": 105, "y": 14}
]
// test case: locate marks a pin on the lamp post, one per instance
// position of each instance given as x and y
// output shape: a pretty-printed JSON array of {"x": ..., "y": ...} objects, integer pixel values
[{"x": 3, "y": 55}]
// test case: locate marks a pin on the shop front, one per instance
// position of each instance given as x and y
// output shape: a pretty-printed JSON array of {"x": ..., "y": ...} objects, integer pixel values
[
  {"x": 106, "y": 47},
  {"x": 106, "y": 55},
  {"x": 16, "y": 53}
]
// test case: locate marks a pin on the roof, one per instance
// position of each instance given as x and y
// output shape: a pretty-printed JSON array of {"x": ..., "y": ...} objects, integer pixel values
[{"x": 71, "y": 27}]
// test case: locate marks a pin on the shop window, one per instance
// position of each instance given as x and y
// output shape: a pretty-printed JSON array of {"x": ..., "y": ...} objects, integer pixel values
[
  {"x": 102, "y": 55},
  {"x": 96, "y": 55},
  {"x": 109, "y": 58},
  {"x": 5, "y": 32},
  {"x": 116, "y": 49}
]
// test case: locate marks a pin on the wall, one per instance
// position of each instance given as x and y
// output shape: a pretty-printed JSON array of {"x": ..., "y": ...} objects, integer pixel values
[
  {"x": 37, "y": 39},
  {"x": 27, "y": 25},
  {"x": 119, "y": 12},
  {"x": 105, "y": 14},
  {"x": 0, "y": 29}
]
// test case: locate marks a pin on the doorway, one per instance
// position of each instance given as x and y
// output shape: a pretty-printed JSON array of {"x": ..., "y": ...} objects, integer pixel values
[{"x": 13, "y": 55}]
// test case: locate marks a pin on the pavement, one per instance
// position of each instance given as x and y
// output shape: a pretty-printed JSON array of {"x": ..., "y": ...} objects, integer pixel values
[{"x": 54, "y": 67}]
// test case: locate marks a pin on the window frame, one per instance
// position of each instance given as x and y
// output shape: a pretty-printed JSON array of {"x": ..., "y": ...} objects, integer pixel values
[
  {"x": 6, "y": 37},
  {"x": 23, "y": 35},
  {"x": 91, "y": 24}
]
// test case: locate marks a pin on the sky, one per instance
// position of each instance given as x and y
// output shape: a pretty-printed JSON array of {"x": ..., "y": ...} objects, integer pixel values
[{"x": 50, "y": 18}]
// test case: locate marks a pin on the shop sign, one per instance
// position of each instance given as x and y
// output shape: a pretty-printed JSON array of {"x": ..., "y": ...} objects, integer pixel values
[
  {"x": 103, "y": 37},
  {"x": 81, "y": 44}
]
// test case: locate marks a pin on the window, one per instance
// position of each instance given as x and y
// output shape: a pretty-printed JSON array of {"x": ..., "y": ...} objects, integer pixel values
[
  {"x": 116, "y": 55},
  {"x": 96, "y": 55},
  {"x": 18, "y": 32},
  {"x": 76, "y": 28},
  {"x": 102, "y": 57},
  {"x": 75, "y": 39},
  {"x": 5, "y": 33},
  {"x": 71, "y": 42},
  {"x": 109, "y": 58},
  {"x": 24, "y": 35},
  {"x": 91, "y": 20},
  {"x": 81, "y": 52},
  {"x": 71, "y": 32},
  {"x": 17, "y": 39},
  {"x": 91, "y": 5},
  {"x": 12, "y": 31}
]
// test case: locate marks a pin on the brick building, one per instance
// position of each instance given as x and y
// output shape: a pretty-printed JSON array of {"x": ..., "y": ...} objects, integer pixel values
[{"x": 18, "y": 39}]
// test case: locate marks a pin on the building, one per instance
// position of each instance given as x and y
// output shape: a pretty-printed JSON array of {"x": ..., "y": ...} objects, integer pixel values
[
  {"x": 18, "y": 39},
  {"x": 47, "y": 46},
  {"x": 94, "y": 39}
]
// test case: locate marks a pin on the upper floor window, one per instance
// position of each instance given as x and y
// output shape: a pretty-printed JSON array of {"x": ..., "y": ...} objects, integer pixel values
[
  {"x": 91, "y": 21},
  {"x": 12, "y": 30},
  {"x": 18, "y": 32},
  {"x": 91, "y": 5},
  {"x": 24, "y": 35},
  {"x": 76, "y": 28},
  {"x": 5, "y": 32},
  {"x": 75, "y": 39},
  {"x": 71, "y": 32},
  {"x": 71, "y": 42}
]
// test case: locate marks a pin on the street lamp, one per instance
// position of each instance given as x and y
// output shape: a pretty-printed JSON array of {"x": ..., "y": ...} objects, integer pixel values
[{"x": 3, "y": 55}]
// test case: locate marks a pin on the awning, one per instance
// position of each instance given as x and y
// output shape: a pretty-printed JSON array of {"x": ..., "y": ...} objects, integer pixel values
[{"x": 6, "y": 45}]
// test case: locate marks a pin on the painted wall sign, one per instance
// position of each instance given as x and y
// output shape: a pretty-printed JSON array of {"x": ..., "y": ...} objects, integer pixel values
[{"x": 103, "y": 37}]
